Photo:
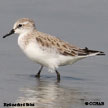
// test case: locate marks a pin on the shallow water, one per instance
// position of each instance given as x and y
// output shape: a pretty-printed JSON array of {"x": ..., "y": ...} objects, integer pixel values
[{"x": 80, "y": 22}]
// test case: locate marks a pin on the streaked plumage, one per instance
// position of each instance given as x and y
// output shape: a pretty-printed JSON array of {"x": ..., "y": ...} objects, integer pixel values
[{"x": 45, "y": 49}]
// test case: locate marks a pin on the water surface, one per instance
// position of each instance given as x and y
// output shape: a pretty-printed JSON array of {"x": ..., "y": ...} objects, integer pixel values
[{"x": 80, "y": 22}]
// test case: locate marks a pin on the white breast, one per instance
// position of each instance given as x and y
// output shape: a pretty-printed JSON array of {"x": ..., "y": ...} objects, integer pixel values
[
  {"x": 21, "y": 41},
  {"x": 43, "y": 57},
  {"x": 49, "y": 57}
]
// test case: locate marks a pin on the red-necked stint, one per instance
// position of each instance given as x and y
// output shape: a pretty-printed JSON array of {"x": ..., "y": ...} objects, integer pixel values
[{"x": 47, "y": 50}]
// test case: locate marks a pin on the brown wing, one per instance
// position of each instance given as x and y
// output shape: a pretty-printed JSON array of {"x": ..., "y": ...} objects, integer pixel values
[{"x": 62, "y": 47}]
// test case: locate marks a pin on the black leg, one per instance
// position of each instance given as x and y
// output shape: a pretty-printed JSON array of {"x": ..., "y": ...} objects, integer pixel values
[
  {"x": 58, "y": 76},
  {"x": 38, "y": 74}
]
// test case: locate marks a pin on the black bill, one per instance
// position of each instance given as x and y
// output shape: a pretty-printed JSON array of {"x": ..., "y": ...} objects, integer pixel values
[{"x": 10, "y": 33}]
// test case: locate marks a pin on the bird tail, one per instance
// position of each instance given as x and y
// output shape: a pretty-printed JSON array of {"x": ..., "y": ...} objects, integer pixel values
[{"x": 88, "y": 52}]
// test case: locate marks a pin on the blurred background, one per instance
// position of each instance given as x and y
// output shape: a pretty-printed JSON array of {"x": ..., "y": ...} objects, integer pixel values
[{"x": 80, "y": 22}]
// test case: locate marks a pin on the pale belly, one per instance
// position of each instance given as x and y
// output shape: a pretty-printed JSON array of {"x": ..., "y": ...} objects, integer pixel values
[
  {"x": 35, "y": 53},
  {"x": 50, "y": 59}
]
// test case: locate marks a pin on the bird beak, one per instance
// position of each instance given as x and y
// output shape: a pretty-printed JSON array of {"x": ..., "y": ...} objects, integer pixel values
[{"x": 10, "y": 33}]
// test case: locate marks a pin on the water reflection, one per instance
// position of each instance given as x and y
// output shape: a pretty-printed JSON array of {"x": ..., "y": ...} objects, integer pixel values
[{"x": 48, "y": 94}]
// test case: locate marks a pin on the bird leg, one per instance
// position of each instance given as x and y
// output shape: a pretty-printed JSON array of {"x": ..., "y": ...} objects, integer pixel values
[
  {"x": 58, "y": 76},
  {"x": 38, "y": 74}
]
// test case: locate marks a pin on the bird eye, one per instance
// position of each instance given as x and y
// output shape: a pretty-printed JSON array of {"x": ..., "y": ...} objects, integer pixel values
[{"x": 20, "y": 25}]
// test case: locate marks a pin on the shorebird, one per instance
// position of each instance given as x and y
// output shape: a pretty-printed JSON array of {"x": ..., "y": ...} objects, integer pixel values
[{"x": 46, "y": 50}]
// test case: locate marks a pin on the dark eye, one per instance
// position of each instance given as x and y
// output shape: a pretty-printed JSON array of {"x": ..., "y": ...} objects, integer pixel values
[{"x": 20, "y": 25}]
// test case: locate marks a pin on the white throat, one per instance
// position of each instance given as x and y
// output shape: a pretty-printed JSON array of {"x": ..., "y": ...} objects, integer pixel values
[{"x": 21, "y": 39}]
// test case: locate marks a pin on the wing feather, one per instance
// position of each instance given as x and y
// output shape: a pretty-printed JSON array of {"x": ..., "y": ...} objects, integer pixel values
[{"x": 64, "y": 48}]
